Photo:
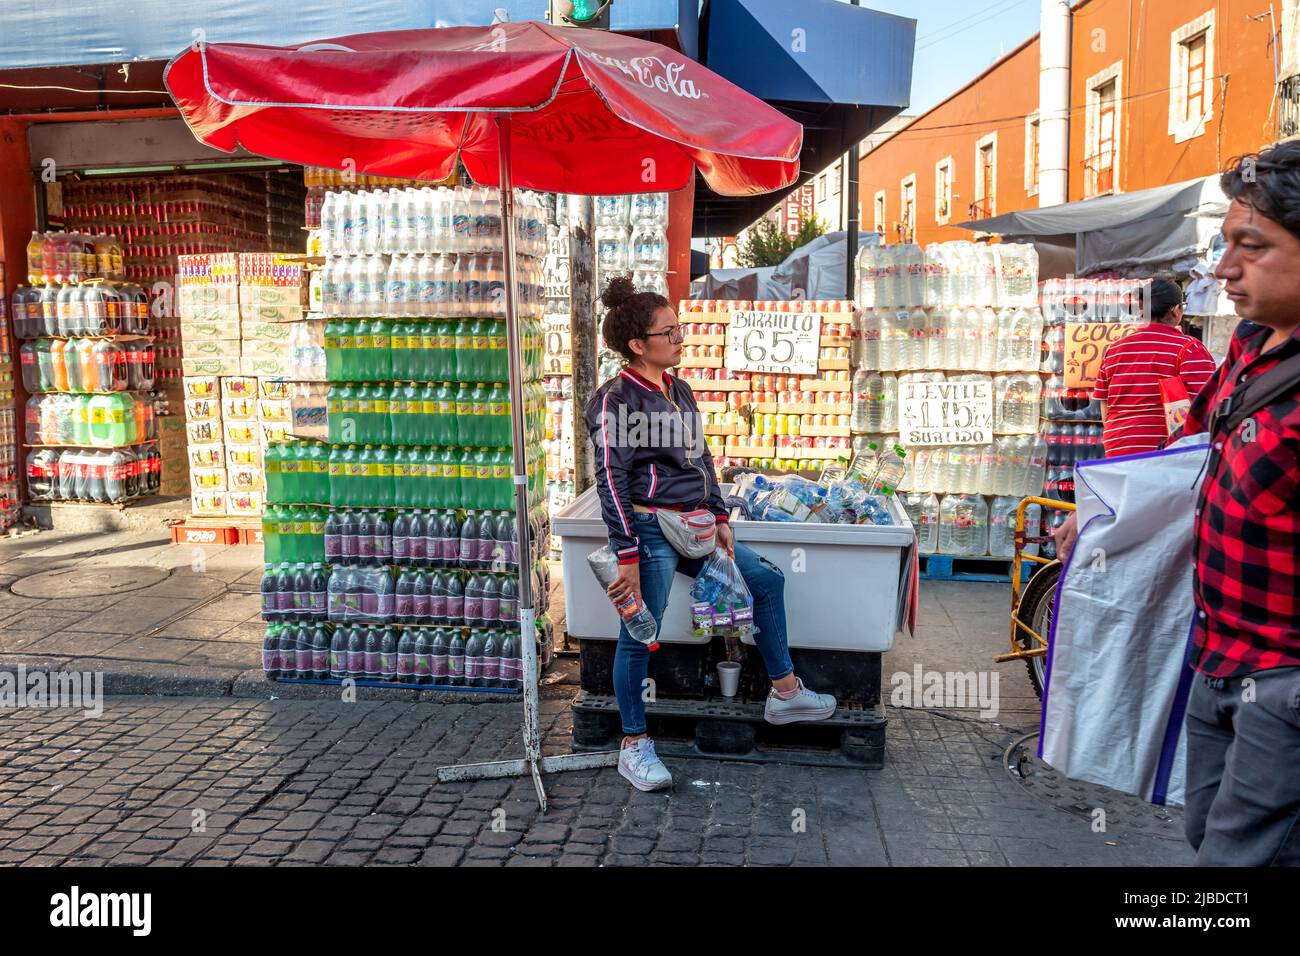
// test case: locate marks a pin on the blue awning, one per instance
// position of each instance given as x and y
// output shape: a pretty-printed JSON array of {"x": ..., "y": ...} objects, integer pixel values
[
  {"x": 840, "y": 70},
  {"x": 74, "y": 32},
  {"x": 812, "y": 51}
]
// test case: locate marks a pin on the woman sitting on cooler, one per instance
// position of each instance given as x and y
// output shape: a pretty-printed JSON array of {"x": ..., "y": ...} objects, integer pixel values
[{"x": 642, "y": 464}]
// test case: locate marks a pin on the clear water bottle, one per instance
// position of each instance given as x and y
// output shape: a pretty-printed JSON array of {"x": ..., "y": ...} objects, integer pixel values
[
  {"x": 918, "y": 338},
  {"x": 868, "y": 340},
  {"x": 866, "y": 278},
  {"x": 923, "y": 511},
  {"x": 611, "y": 211},
  {"x": 376, "y": 282},
  {"x": 612, "y": 248},
  {"x": 649, "y": 248},
  {"x": 886, "y": 321},
  {"x": 395, "y": 237},
  {"x": 891, "y": 466},
  {"x": 915, "y": 481},
  {"x": 1002, "y": 526},
  {"x": 889, "y": 421},
  {"x": 394, "y": 289},
  {"x": 330, "y": 226},
  {"x": 1036, "y": 467},
  {"x": 948, "y": 525},
  {"x": 636, "y": 616},
  {"x": 354, "y": 286},
  {"x": 868, "y": 402},
  {"x": 935, "y": 335}
]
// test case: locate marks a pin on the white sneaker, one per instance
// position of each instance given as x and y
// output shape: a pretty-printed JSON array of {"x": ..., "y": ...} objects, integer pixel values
[
  {"x": 805, "y": 705},
  {"x": 642, "y": 766}
]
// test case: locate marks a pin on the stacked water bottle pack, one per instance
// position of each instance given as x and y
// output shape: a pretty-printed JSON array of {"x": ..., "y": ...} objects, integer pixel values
[
  {"x": 396, "y": 536},
  {"x": 632, "y": 236},
  {"x": 955, "y": 312}
]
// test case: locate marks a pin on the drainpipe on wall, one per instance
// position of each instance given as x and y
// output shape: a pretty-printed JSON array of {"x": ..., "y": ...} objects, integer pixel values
[{"x": 1054, "y": 103}]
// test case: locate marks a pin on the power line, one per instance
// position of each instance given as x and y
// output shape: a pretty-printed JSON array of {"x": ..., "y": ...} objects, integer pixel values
[{"x": 956, "y": 28}]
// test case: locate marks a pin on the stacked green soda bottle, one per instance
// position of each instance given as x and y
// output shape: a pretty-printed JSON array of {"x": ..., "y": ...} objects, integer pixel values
[{"x": 419, "y": 425}]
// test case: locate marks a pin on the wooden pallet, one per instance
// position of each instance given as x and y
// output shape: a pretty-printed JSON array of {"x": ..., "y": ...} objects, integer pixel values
[
  {"x": 729, "y": 729},
  {"x": 985, "y": 568}
]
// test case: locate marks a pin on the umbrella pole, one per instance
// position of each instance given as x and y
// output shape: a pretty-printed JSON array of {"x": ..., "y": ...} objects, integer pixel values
[{"x": 532, "y": 763}]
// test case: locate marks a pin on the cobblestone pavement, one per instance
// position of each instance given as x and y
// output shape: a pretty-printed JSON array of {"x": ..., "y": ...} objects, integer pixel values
[{"x": 211, "y": 782}]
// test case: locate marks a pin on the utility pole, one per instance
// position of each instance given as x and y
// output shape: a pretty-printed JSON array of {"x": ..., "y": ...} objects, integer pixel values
[
  {"x": 582, "y": 330},
  {"x": 851, "y": 195}
]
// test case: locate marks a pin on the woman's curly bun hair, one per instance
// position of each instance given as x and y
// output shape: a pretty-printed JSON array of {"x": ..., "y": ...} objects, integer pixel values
[{"x": 630, "y": 314}]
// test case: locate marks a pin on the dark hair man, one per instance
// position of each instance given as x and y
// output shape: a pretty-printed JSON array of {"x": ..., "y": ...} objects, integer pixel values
[{"x": 1243, "y": 717}]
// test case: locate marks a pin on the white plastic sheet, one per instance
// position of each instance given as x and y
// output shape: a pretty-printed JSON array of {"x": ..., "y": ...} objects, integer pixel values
[{"x": 1118, "y": 676}]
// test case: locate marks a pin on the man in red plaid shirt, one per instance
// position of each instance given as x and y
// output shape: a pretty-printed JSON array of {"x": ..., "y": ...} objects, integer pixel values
[{"x": 1243, "y": 717}]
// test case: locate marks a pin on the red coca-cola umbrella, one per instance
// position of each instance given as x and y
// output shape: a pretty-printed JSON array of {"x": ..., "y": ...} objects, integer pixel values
[
  {"x": 520, "y": 104},
  {"x": 590, "y": 112}
]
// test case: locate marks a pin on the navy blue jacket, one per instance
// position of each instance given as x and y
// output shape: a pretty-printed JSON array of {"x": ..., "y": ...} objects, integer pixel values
[{"x": 649, "y": 451}]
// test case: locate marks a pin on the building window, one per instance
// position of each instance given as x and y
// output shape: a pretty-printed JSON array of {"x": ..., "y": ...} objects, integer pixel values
[
  {"x": 1031, "y": 154},
  {"x": 943, "y": 190},
  {"x": 906, "y": 229},
  {"x": 881, "y": 221},
  {"x": 986, "y": 178},
  {"x": 1290, "y": 39},
  {"x": 1191, "y": 77},
  {"x": 837, "y": 179},
  {"x": 821, "y": 188},
  {"x": 1102, "y": 151}
]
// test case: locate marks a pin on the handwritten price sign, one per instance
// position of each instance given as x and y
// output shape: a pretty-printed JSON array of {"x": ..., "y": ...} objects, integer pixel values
[
  {"x": 785, "y": 343},
  {"x": 1085, "y": 346},
  {"x": 945, "y": 413},
  {"x": 559, "y": 345}
]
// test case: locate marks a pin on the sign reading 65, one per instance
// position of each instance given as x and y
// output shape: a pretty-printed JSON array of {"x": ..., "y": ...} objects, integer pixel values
[{"x": 780, "y": 342}]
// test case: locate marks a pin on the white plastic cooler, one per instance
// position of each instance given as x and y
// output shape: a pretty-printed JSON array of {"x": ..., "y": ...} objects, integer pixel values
[{"x": 846, "y": 586}]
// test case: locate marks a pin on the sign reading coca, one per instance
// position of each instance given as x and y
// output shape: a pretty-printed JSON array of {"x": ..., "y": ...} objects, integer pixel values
[{"x": 651, "y": 71}]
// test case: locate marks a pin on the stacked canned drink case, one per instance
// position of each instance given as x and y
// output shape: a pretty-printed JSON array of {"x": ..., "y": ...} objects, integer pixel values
[{"x": 955, "y": 312}]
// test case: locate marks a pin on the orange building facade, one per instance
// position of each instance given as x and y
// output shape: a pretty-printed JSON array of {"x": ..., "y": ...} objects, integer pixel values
[{"x": 1160, "y": 92}]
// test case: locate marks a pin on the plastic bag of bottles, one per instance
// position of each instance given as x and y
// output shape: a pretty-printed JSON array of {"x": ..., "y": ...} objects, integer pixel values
[{"x": 721, "y": 604}]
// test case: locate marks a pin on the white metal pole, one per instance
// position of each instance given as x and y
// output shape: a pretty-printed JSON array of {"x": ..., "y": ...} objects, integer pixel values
[
  {"x": 514, "y": 345},
  {"x": 532, "y": 763}
]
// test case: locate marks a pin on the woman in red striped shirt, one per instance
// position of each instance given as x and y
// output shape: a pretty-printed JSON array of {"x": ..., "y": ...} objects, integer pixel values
[{"x": 1128, "y": 385}]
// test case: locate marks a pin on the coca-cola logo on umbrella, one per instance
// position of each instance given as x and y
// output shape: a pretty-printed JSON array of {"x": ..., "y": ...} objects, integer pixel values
[{"x": 651, "y": 72}]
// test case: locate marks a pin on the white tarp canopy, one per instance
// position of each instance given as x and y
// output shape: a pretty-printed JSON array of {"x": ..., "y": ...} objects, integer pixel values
[
  {"x": 1126, "y": 232},
  {"x": 817, "y": 270}
]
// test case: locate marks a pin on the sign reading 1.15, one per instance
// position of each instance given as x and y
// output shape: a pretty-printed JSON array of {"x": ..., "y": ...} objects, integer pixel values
[
  {"x": 955, "y": 412},
  {"x": 784, "y": 343}
]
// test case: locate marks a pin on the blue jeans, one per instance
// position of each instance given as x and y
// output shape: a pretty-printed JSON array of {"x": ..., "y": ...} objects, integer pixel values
[{"x": 659, "y": 562}]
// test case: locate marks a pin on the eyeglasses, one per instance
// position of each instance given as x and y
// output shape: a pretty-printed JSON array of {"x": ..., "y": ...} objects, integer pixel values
[{"x": 674, "y": 334}]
